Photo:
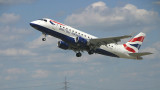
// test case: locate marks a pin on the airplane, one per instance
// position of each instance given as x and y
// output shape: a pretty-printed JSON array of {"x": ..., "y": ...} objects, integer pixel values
[{"x": 78, "y": 41}]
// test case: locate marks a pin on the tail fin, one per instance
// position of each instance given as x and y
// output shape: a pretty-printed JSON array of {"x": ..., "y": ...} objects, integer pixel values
[{"x": 135, "y": 43}]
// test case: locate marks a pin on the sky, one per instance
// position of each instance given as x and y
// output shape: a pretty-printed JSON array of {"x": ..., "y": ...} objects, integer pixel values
[{"x": 27, "y": 63}]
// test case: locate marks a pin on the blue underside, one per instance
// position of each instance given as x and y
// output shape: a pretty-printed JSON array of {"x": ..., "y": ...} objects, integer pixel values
[
  {"x": 54, "y": 33},
  {"x": 68, "y": 39},
  {"x": 104, "y": 52}
]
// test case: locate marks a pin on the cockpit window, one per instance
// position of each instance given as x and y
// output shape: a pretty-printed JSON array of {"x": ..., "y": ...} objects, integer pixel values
[{"x": 43, "y": 20}]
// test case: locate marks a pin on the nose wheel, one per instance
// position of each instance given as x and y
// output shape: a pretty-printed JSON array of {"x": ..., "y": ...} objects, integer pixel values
[
  {"x": 43, "y": 39},
  {"x": 78, "y": 54}
]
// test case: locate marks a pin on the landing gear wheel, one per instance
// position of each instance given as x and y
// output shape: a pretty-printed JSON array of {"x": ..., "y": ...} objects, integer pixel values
[
  {"x": 43, "y": 39},
  {"x": 78, "y": 54}
]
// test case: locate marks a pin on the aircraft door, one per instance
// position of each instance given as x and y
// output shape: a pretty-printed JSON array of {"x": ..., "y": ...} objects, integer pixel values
[{"x": 54, "y": 25}]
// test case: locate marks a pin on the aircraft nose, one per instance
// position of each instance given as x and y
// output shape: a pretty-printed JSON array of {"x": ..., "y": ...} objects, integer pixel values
[{"x": 32, "y": 24}]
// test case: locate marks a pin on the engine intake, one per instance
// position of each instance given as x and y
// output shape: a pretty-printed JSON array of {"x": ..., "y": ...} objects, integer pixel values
[{"x": 63, "y": 45}]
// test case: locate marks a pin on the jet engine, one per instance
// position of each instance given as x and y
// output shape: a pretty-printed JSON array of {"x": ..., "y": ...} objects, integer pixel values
[{"x": 62, "y": 45}]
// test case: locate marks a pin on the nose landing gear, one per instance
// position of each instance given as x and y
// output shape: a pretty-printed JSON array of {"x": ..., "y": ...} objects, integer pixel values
[{"x": 44, "y": 39}]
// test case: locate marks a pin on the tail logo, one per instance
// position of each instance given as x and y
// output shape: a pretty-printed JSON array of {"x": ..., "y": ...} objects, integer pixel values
[
  {"x": 134, "y": 44},
  {"x": 129, "y": 48},
  {"x": 140, "y": 39}
]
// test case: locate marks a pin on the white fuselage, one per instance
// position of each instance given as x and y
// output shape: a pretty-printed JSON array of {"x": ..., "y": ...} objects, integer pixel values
[{"x": 61, "y": 31}]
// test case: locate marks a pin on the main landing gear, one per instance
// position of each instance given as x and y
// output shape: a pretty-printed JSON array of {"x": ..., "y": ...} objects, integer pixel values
[
  {"x": 90, "y": 52},
  {"x": 78, "y": 54},
  {"x": 44, "y": 39}
]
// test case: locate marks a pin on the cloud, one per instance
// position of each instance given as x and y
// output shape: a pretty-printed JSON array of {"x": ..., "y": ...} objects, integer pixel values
[
  {"x": 85, "y": 58},
  {"x": 16, "y": 52},
  {"x": 10, "y": 77},
  {"x": 40, "y": 74},
  {"x": 67, "y": 73},
  {"x": 13, "y": 41},
  {"x": 15, "y": 71},
  {"x": 7, "y": 18},
  {"x": 131, "y": 74},
  {"x": 50, "y": 41},
  {"x": 71, "y": 72},
  {"x": 157, "y": 45},
  {"x": 157, "y": 2},
  {"x": 155, "y": 49},
  {"x": 1, "y": 65},
  {"x": 8, "y": 33},
  {"x": 10, "y": 2},
  {"x": 99, "y": 15},
  {"x": 103, "y": 79}
]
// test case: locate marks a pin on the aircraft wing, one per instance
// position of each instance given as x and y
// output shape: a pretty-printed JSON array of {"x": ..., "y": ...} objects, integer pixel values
[{"x": 104, "y": 41}]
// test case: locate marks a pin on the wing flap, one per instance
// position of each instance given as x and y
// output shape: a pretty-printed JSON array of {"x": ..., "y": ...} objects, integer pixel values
[{"x": 104, "y": 41}]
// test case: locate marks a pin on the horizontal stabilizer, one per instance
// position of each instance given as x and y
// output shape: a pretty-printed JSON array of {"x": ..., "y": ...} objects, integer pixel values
[{"x": 140, "y": 54}]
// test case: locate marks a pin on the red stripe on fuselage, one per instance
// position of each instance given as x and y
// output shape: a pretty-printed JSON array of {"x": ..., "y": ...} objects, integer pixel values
[
  {"x": 57, "y": 22},
  {"x": 128, "y": 48},
  {"x": 141, "y": 38}
]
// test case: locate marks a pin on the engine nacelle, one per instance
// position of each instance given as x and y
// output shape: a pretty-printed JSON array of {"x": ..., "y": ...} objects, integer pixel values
[
  {"x": 81, "y": 41},
  {"x": 63, "y": 45}
]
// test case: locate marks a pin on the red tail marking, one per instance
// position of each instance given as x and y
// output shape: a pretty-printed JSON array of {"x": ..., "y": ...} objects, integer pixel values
[
  {"x": 128, "y": 48},
  {"x": 141, "y": 38}
]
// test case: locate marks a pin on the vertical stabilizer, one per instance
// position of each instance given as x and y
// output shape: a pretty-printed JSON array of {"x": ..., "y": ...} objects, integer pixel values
[{"x": 135, "y": 43}]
